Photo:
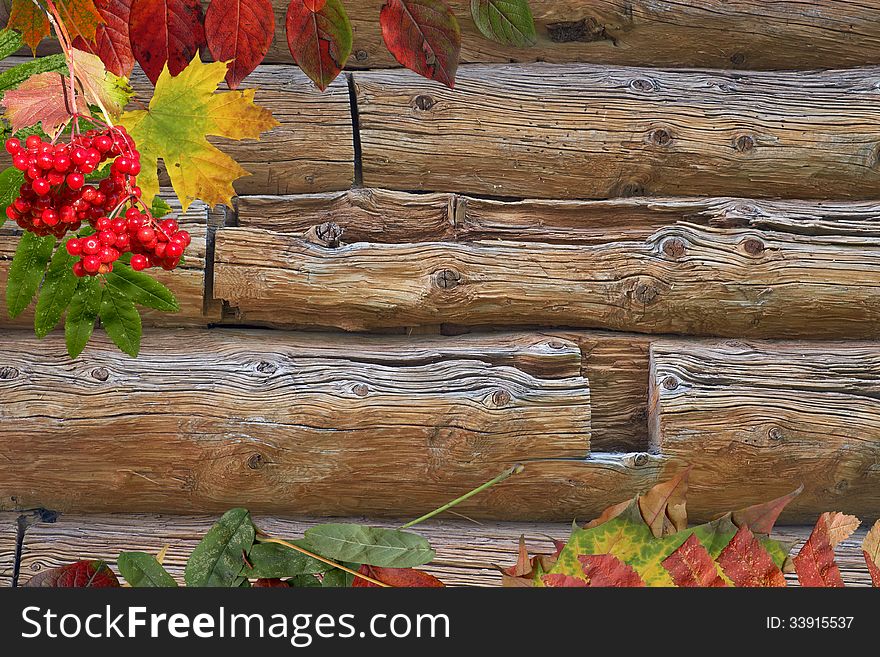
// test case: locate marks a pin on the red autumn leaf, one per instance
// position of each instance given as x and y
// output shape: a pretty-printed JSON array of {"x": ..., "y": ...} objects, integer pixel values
[
  {"x": 814, "y": 564},
  {"x": 871, "y": 550},
  {"x": 80, "y": 18},
  {"x": 42, "y": 98},
  {"x": 523, "y": 572},
  {"x": 28, "y": 19},
  {"x": 747, "y": 563},
  {"x": 424, "y": 36},
  {"x": 559, "y": 580},
  {"x": 112, "y": 43},
  {"x": 165, "y": 31},
  {"x": 691, "y": 565},
  {"x": 320, "y": 40},
  {"x": 82, "y": 574},
  {"x": 315, "y": 5},
  {"x": 762, "y": 517},
  {"x": 240, "y": 31},
  {"x": 396, "y": 577},
  {"x": 607, "y": 570},
  {"x": 268, "y": 583},
  {"x": 664, "y": 507},
  {"x": 608, "y": 514}
]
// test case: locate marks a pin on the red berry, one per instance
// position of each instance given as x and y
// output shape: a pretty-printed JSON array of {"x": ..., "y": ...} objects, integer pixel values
[
  {"x": 78, "y": 269},
  {"x": 146, "y": 235},
  {"x": 169, "y": 227},
  {"x": 74, "y": 247},
  {"x": 109, "y": 254},
  {"x": 173, "y": 250},
  {"x": 55, "y": 178},
  {"x": 13, "y": 146},
  {"x": 91, "y": 264},
  {"x": 20, "y": 162},
  {"x": 91, "y": 245},
  {"x": 40, "y": 185},
  {"x": 107, "y": 237},
  {"x": 102, "y": 143},
  {"x": 79, "y": 156},
  {"x": 45, "y": 161},
  {"x": 50, "y": 217},
  {"x": 61, "y": 163},
  {"x": 33, "y": 141},
  {"x": 75, "y": 180},
  {"x": 139, "y": 262}
]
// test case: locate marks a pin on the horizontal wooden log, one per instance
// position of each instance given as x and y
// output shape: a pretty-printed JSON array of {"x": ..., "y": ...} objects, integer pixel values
[
  {"x": 311, "y": 151},
  {"x": 187, "y": 282},
  {"x": 584, "y": 131},
  {"x": 466, "y": 553},
  {"x": 767, "y": 417},
  {"x": 683, "y": 279}
]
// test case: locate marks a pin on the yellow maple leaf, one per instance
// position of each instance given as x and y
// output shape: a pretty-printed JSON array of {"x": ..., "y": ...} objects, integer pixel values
[{"x": 184, "y": 110}]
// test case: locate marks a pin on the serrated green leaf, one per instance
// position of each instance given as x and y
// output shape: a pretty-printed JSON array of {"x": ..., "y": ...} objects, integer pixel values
[
  {"x": 217, "y": 559},
  {"x": 10, "y": 181},
  {"x": 11, "y": 78},
  {"x": 141, "y": 570},
  {"x": 121, "y": 321},
  {"x": 506, "y": 21},
  {"x": 10, "y": 43},
  {"x": 141, "y": 288},
  {"x": 389, "y": 548},
  {"x": 26, "y": 271},
  {"x": 56, "y": 292},
  {"x": 271, "y": 560},
  {"x": 159, "y": 208},
  {"x": 81, "y": 314}
]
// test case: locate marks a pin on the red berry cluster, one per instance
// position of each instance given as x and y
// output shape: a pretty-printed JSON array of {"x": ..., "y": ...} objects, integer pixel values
[{"x": 54, "y": 199}]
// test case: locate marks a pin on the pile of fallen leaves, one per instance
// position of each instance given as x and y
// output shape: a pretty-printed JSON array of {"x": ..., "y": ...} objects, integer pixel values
[{"x": 647, "y": 542}]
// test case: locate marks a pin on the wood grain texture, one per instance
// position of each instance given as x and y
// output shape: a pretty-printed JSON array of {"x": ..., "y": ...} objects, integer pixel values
[
  {"x": 466, "y": 553},
  {"x": 187, "y": 282},
  {"x": 311, "y": 151},
  {"x": 584, "y": 131},
  {"x": 727, "y": 282},
  {"x": 765, "y": 417}
]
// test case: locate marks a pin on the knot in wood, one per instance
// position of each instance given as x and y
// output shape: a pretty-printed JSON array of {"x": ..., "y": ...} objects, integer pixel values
[
  {"x": 256, "y": 461},
  {"x": 328, "y": 234},
  {"x": 641, "y": 459},
  {"x": 424, "y": 102},
  {"x": 744, "y": 143},
  {"x": 501, "y": 397},
  {"x": 737, "y": 59},
  {"x": 7, "y": 373},
  {"x": 446, "y": 278},
  {"x": 265, "y": 367},
  {"x": 100, "y": 373},
  {"x": 555, "y": 344},
  {"x": 645, "y": 293},
  {"x": 674, "y": 247},
  {"x": 661, "y": 137},
  {"x": 753, "y": 246},
  {"x": 775, "y": 433},
  {"x": 630, "y": 189},
  {"x": 670, "y": 382},
  {"x": 361, "y": 55},
  {"x": 360, "y": 390},
  {"x": 642, "y": 84}
]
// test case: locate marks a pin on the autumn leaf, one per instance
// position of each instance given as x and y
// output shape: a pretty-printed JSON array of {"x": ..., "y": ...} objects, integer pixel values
[
  {"x": 563, "y": 581},
  {"x": 165, "y": 32},
  {"x": 664, "y": 507},
  {"x": 30, "y": 20},
  {"x": 747, "y": 563},
  {"x": 82, "y": 574},
  {"x": 80, "y": 18},
  {"x": 424, "y": 36},
  {"x": 815, "y": 564},
  {"x": 184, "y": 110},
  {"x": 606, "y": 570},
  {"x": 762, "y": 517},
  {"x": 396, "y": 577},
  {"x": 111, "y": 42},
  {"x": 611, "y": 512},
  {"x": 44, "y": 99},
  {"x": 692, "y": 566},
  {"x": 99, "y": 86},
  {"x": 871, "y": 551},
  {"x": 526, "y": 569},
  {"x": 239, "y": 32},
  {"x": 319, "y": 39}
]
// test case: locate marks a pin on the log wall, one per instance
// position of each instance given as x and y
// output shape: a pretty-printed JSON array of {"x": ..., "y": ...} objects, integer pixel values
[{"x": 649, "y": 242}]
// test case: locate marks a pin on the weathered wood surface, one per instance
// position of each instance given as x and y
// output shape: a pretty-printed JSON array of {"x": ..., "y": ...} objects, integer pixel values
[
  {"x": 466, "y": 553},
  {"x": 187, "y": 282},
  {"x": 311, "y": 151},
  {"x": 683, "y": 279},
  {"x": 584, "y": 131},
  {"x": 764, "y": 418}
]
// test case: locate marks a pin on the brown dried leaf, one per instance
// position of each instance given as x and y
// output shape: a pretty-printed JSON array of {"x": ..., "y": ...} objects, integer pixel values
[
  {"x": 664, "y": 507},
  {"x": 762, "y": 517}
]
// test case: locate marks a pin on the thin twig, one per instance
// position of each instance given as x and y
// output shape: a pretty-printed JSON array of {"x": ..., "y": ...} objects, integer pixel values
[{"x": 323, "y": 560}]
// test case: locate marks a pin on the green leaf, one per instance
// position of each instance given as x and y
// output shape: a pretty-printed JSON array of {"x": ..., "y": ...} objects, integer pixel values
[
  {"x": 10, "y": 43},
  {"x": 26, "y": 272},
  {"x": 339, "y": 578},
  {"x": 81, "y": 315},
  {"x": 271, "y": 560},
  {"x": 10, "y": 180},
  {"x": 506, "y": 21},
  {"x": 56, "y": 292},
  {"x": 11, "y": 78},
  {"x": 217, "y": 559},
  {"x": 121, "y": 321},
  {"x": 388, "y": 548},
  {"x": 306, "y": 581},
  {"x": 141, "y": 570},
  {"x": 159, "y": 207},
  {"x": 141, "y": 288}
]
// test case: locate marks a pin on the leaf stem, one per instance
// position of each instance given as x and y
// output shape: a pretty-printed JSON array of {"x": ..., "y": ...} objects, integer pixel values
[
  {"x": 516, "y": 469},
  {"x": 318, "y": 557}
]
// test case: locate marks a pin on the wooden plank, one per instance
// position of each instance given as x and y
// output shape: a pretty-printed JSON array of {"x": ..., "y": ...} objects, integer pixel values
[
  {"x": 585, "y": 131},
  {"x": 466, "y": 553},
  {"x": 765, "y": 417},
  {"x": 311, "y": 151},
  {"x": 8, "y": 537},
  {"x": 684, "y": 279},
  {"x": 187, "y": 282}
]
